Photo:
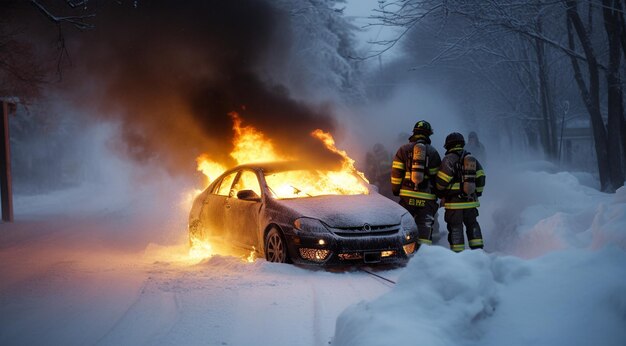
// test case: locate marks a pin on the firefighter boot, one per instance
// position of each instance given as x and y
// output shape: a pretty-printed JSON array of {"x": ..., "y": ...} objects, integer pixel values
[
  {"x": 425, "y": 235},
  {"x": 456, "y": 238},
  {"x": 475, "y": 236}
]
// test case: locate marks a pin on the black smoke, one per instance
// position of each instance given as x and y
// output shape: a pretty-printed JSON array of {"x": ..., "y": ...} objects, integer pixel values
[{"x": 172, "y": 71}]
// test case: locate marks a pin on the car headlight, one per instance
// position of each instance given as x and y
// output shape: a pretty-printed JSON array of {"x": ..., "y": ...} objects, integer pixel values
[
  {"x": 408, "y": 223},
  {"x": 310, "y": 225}
]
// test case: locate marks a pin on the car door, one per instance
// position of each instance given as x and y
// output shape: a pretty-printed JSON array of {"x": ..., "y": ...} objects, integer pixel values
[
  {"x": 214, "y": 209},
  {"x": 242, "y": 216}
]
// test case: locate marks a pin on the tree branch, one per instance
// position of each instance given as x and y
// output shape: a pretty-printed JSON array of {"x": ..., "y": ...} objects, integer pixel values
[{"x": 77, "y": 21}]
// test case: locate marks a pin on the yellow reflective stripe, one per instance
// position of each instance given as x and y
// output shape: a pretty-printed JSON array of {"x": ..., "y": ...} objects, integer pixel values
[
  {"x": 396, "y": 181},
  {"x": 480, "y": 173},
  {"x": 480, "y": 189},
  {"x": 457, "y": 247},
  {"x": 417, "y": 194},
  {"x": 456, "y": 186},
  {"x": 397, "y": 164},
  {"x": 433, "y": 171},
  {"x": 462, "y": 205},
  {"x": 474, "y": 242},
  {"x": 425, "y": 241},
  {"x": 444, "y": 176},
  {"x": 407, "y": 176}
]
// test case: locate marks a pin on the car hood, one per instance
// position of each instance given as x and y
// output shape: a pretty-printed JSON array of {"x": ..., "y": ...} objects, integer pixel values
[{"x": 348, "y": 211}]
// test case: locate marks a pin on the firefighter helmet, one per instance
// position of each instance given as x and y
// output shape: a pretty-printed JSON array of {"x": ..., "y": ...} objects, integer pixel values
[
  {"x": 454, "y": 139},
  {"x": 423, "y": 127}
]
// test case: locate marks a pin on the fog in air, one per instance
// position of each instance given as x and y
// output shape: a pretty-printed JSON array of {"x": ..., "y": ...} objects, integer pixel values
[{"x": 121, "y": 113}]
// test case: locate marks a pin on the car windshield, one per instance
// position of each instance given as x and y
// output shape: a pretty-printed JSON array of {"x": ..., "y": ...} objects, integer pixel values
[{"x": 311, "y": 183}]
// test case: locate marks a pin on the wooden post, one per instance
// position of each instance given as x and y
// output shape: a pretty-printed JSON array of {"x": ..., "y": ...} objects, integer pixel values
[{"x": 5, "y": 165}]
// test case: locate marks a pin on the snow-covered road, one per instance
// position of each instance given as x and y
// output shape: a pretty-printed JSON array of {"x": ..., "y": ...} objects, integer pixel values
[{"x": 62, "y": 288}]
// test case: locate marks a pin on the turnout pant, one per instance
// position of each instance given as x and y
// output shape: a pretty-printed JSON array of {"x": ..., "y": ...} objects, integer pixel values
[
  {"x": 424, "y": 217},
  {"x": 456, "y": 218}
]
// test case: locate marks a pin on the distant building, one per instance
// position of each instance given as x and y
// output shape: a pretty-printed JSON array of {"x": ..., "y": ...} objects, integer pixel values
[{"x": 578, "y": 150}]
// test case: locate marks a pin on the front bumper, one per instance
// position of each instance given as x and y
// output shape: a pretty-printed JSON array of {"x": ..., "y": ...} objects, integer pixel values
[{"x": 330, "y": 249}]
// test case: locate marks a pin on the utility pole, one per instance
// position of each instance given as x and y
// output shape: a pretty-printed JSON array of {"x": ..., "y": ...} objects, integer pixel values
[{"x": 5, "y": 163}]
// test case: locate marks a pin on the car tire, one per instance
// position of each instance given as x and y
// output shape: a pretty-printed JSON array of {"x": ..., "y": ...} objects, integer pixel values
[{"x": 276, "y": 247}]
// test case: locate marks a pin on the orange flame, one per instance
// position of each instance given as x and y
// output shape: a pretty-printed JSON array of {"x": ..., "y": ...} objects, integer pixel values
[
  {"x": 329, "y": 142},
  {"x": 252, "y": 146},
  {"x": 210, "y": 169}
]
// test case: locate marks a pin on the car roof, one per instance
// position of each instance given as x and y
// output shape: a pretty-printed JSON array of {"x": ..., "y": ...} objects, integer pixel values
[
  {"x": 275, "y": 166},
  {"x": 280, "y": 166}
]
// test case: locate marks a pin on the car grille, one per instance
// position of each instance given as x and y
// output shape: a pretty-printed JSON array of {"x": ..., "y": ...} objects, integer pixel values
[{"x": 369, "y": 230}]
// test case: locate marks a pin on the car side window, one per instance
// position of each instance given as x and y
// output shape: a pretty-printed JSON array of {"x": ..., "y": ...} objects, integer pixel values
[
  {"x": 225, "y": 185},
  {"x": 248, "y": 181}
]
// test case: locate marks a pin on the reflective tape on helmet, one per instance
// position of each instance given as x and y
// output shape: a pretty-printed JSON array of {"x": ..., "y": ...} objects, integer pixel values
[
  {"x": 417, "y": 194},
  {"x": 397, "y": 164},
  {"x": 462, "y": 205}
]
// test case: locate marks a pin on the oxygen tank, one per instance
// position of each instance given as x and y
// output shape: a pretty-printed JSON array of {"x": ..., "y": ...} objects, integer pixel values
[
  {"x": 418, "y": 166},
  {"x": 469, "y": 174}
]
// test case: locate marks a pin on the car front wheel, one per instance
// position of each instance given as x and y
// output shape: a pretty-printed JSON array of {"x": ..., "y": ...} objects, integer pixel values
[{"x": 275, "y": 247}]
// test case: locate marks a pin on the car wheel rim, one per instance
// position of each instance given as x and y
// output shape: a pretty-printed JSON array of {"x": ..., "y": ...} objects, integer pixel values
[{"x": 275, "y": 248}]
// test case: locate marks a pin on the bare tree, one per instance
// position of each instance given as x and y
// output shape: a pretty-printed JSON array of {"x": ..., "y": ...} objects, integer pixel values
[
  {"x": 614, "y": 30},
  {"x": 536, "y": 22},
  {"x": 590, "y": 94}
]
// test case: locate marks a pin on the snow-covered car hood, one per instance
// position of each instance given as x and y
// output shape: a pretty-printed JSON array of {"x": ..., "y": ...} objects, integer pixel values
[{"x": 348, "y": 211}]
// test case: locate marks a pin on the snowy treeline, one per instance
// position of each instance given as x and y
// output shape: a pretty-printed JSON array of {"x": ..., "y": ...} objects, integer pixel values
[
  {"x": 323, "y": 50},
  {"x": 533, "y": 70}
]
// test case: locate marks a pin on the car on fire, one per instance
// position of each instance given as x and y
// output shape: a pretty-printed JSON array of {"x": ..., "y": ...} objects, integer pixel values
[{"x": 290, "y": 213}]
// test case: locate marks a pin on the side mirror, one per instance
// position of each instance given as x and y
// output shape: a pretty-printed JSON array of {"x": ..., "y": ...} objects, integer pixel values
[{"x": 248, "y": 195}]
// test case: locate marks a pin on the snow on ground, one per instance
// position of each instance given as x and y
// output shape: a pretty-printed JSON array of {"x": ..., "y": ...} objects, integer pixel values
[
  {"x": 107, "y": 263},
  {"x": 91, "y": 266},
  {"x": 557, "y": 276}
]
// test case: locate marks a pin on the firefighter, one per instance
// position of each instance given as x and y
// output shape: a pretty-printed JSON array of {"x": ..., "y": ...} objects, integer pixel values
[
  {"x": 476, "y": 147},
  {"x": 460, "y": 181},
  {"x": 378, "y": 168},
  {"x": 413, "y": 172}
]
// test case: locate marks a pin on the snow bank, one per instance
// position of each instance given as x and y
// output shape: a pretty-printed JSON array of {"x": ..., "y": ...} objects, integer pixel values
[
  {"x": 609, "y": 223},
  {"x": 530, "y": 213},
  {"x": 567, "y": 298},
  {"x": 564, "y": 286}
]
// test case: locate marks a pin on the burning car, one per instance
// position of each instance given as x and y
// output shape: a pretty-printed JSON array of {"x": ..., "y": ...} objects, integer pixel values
[{"x": 288, "y": 212}]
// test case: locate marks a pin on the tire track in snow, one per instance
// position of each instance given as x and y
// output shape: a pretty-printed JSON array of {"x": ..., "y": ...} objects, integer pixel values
[{"x": 149, "y": 318}]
